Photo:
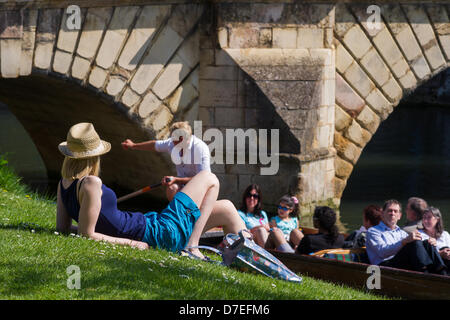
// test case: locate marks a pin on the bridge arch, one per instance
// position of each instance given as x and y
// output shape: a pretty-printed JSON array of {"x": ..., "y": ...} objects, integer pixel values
[
  {"x": 130, "y": 69},
  {"x": 377, "y": 67}
]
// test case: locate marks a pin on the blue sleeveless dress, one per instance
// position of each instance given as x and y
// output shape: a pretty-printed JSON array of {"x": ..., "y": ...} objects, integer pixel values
[{"x": 168, "y": 230}]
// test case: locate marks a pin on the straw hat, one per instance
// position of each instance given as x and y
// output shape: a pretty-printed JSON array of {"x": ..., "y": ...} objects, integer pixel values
[{"x": 83, "y": 142}]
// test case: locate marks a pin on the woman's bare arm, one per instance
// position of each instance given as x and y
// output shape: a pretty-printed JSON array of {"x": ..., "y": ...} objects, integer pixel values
[{"x": 90, "y": 205}]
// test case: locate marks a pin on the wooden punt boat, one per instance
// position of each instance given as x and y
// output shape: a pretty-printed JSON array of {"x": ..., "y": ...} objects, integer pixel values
[{"x": 393, "y": 282}]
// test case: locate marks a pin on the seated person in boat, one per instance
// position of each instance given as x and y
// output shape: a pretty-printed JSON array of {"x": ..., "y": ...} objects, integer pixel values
[
  {"x": 414, "y": 212},
  {"x": 371, "y": 217},
  {"x": 433, "y": 227},
  {"x": 388, "y": 245},
  {"x": 254, "y": 217},
  {"x": 189, "y": 153},
  {"x": 83, "y": 197},
  {"x": 285, "y": 226},
  {"x": 328, "y": 237}
]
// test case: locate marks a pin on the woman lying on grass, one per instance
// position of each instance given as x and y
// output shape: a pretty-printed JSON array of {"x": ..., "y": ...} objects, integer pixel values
[{"x": 84, "y": 198}]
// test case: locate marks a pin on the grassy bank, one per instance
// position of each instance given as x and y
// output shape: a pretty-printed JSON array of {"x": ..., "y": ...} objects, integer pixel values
[{"x": 34, "y": 259}]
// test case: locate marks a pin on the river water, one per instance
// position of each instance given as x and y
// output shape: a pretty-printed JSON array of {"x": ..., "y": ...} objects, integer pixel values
[{"x": 408, "y": 156}]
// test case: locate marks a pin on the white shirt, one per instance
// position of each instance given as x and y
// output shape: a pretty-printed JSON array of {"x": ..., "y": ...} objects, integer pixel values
[
  {"x": 196, "y": 156},
  {"x": 443, "y": 241}
]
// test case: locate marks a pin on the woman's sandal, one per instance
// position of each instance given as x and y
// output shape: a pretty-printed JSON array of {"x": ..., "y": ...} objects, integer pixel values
[{"x": 187, "y": 253}]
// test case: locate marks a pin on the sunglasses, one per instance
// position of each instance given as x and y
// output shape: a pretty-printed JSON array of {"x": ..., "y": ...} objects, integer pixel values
[
  {"x": 284, "y": 208},
  {"x": 254, "y": 196}
]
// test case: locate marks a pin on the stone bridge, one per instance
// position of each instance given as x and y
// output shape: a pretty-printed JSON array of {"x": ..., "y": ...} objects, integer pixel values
[{"x": 324, "y": 73}]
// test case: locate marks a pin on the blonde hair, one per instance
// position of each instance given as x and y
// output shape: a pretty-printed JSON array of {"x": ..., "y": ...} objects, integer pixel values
[
  {"x": 78, "y": 168},
  {"x": 182, "y": 125}
]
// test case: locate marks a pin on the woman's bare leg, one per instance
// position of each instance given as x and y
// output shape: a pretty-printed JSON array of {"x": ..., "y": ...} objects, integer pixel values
[
  {"x": 295, "y": 237},
  {"x": 260, "y": 236},
  {"x": 224, "y": 214},
  {"x": 203, "y": 189},
  {"x": 171, "y": 191}
]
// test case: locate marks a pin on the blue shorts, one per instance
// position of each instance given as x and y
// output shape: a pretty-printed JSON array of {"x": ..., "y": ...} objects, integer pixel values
[{"x": 172, "y": 228}]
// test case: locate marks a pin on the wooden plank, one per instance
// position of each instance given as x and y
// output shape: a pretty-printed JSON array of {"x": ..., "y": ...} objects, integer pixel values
[{"x": 394, "y": 282}]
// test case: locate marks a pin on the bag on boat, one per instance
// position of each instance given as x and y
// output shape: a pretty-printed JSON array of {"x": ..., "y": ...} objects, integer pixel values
[
  {"x": 244, "y": 254},
  {"x": 346, "y": 255}
]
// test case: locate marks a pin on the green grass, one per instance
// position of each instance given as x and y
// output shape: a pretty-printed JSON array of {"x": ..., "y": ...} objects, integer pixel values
[{"x": 34, "y": 261}]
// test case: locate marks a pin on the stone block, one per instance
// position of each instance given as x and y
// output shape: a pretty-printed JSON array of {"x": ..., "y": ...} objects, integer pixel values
[
  {"x": 344, "y": 19},
  {"x": 10, "y": 51},
  {"x": 343, "y": 168},
  {"x": 171, "y": 77},
  {"x": 162, "y": 119},
  {"x": 435, "y": 57},
  {"x": 347, "y": 98},
  {"x": 419, "y": 23},
  {"x": 339, "y": 186},
  {"x": 184, "y": 17},
  {"x": 400, "y": 68},
  {"x": 366, "y": 18},
  {"x": 392, "y": 90},
  {"x": 379, "y": 103},
  {"x": 222, "y": 37},
  {"x": 323, "y": 136},
  {"x": 421, "y": 68},
  {"x": 115, "y": 85},
  {"x": 218, "y": 93},
  {"x": 11, "y": 25},
  {"x": 387, "y": 47},
  {"x": 310, "y": 38},
  {"x": 284, "y": 38},
  {"x": 244, "y": 37},
  {"x": 28, "y": 41},
  {"x": 95, "y": 24},
  {"x": 62, "y": 61},
  {"x": 43, "y": 55},
  {"x": 265, "y": 38},
  {"x": 376, "y": 67},
  {"x": 97, "y": 77},
  {"x": 161, "y": 51},
  {"x": 408, "y": 81},
  {"x": 394, "y": 16},
  {"x": 129, "y": 98},
  {"x": 218, "y": 72},
  {"x": 328, "y": 93},
  {"x": 408, "y": 44},
  {"x": 142, "y": 35},
  {"x": 357, "y": 135},
  {"x": 357, "y": 42},
  {"x": 115, "y": 36},
  {"x": 148, "y": 105},
  {"x": 346, "y": 149},
  {"x": 343, "y": 119},
  {"x": 445, "y": 42},
  {"x": 325, "y": 56},
  {"x": 189, "y": 51},
  {"x": 343, "y": 58},
  {"x": 80, "y": 68},
  {"x": 369, "y": 119},
  {"x": 183, "y": 96},
  {"x": 67, "y": 39},
  {"x": 359, "y": 80}
]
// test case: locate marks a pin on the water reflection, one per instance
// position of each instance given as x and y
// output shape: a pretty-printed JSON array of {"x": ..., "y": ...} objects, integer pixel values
[
  {"x": 408, "y": 156},
  {"x": 21, "y": 151}
]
